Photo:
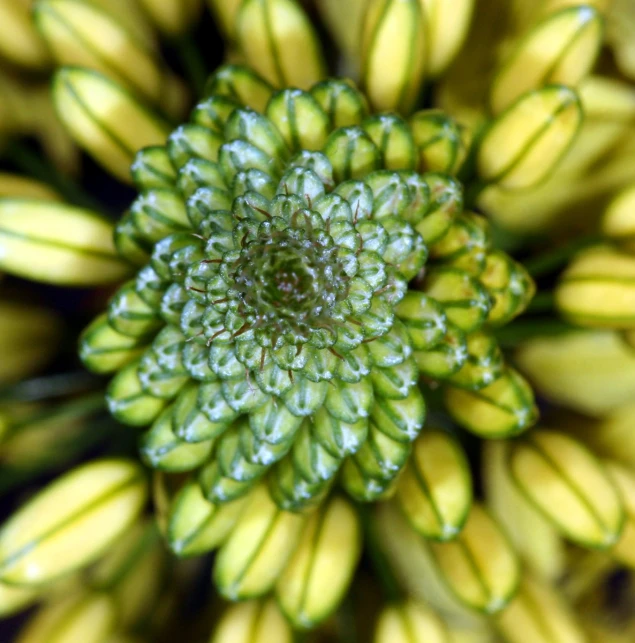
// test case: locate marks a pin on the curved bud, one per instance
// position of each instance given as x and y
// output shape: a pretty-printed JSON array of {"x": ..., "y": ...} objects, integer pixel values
[
  {"x": 105, "y": 350},
  {"x": 321, "y": 569},
  {"x": 344, "y": 22},
  {"x": 58, "y": 244},
  {"x": 69, "y": 523},
  {"x": 598, "y": 289},
  {"x": 538, "y": 614},
  {"x": 28, "y": 337},
  {"x": 504, "y": 408},
  {"x": 479, "y": 566},
  {"x": 18, "y": 186},
  {"x": 226, "y": 13},
  {"x": 104, "y": 119},
  {"x": 253, "y": 622},
  {"x": 393, "y": 53},
  {"x": 78, "y": 33},
  {"x": 535, "y": 539},
  {"x": 278, "y": 41},
  {"x": 624, "y": 480},
  {"x": 19, "y": 40},
  {"x": 435, "y": 489},
  {"x": 173, "y": 17},
  {"x": 523, "y": 145},
  {"x": 438, "y": 140},
  {"x": 90, "y": 618},
  {"x": 251, "y": 560},
  {"x": 410, "y": 622},
  {"x": 195, "y": 525},
  {"x": 14, "y": 599},
  {"x": 559, "y": 50},
  {"x": 563, "y": 479},
  {"x": 446, "y": 27},
  {"x": 618, "y": 222},
  {"x": 241, "y": 84}
]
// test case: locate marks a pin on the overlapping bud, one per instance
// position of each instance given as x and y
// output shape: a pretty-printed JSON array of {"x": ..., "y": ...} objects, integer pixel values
[{"x": 303, "y": 268}]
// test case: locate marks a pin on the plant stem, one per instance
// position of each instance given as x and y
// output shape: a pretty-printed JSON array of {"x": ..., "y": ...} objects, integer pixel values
[
  {"x": 553, "y": 260},
  {"x": 42, "y": 388},
  {"x": 193, "y": 63},
  {"x": 35, "y": 166}
]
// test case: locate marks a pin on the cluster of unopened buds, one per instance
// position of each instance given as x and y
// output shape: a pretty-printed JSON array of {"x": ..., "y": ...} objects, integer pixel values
[{"x": 322, "y": 328}]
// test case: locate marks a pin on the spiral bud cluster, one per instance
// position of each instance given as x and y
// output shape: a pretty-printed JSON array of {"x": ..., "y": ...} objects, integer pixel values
[{"x": 300, "y": 269}]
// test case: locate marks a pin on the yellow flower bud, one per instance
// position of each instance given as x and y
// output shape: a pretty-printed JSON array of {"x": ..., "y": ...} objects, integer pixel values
[
  {"x": 533, "y": 536},
  {"x": 344, "y": 21},
  {"x": 565, "y": 481},
  {"x": 251, "y": 560},
  {"x": 253, "y": 622},
  {"x": 15, "y": 599},
  {"x": 28, "y": 337},
  {"x": 598, "y": 289},
  {"x": 69, "y": 523},
  {"x": 173, "y": 17},
  {"x": 226, "y": 13},
  {"x": 81, "y": 34},
  {"x": 88, "y": 618},
  {"x": 410, "y": 622},
  {"x": 561, "y": 49},
  {"x": 435, "y": 488},
  {"x": 624, "y": 479},
  {"x": 523, "y": 145},
  {"x": 105, "y": 119},
  {"x": 393, "y": 53},
  {"x": 505, "y": 407},
  {"x": 15, "y": 185},
  {"x": 278, "y": 41},
  {"x": 538, "y": 614},
  {"x": 447, "y": 24},
  {"x": 19, "y": 41},
  {"x": 57, "y": 243},
  {"x": 321, "y": 569}
]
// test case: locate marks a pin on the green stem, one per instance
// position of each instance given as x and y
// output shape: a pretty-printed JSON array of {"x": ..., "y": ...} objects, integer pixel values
[
  {"x": 553, "y": 260},
  {"x": 542, "y": 302},
  {"x": 35, "y": 166},
  {"x": 517, "y": 332},
  {"x": 378, "y": 558},
  {"x": 193, "y": 63},
  {"x": 43, "y": 388}
]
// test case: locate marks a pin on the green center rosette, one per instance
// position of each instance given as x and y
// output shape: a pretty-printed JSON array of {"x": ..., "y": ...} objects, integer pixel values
[{"x": 300, "y": 271}]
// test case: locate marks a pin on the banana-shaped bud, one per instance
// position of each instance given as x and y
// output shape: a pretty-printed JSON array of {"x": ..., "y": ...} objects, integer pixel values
[
  {"x": 87, "y": 617},
  {"x": 57, "y": 243},
  {"x": 598, "y": 289},
  {"x": 16, "y": 185},
  {"x": 538, "y": 614},
  {"x": 253, "y": 622},
  {"x": 195, "y": 525},
  {"x": 19, "y": 40},
  {"x": 69, "y": 523},
  {"x": 618, "y": 222},
  {"x": 258, "y": 548},
  {"x": 78, "y": 33},
  {"x": 565, "y": 481},
  {"x": 410, "y": 622},
  {"x": 278, "y": 41},
  {"x": 28, "y": 337},
  {"x": 446, "y": 27},
  {"x": 535, "y": 539},
  {"x": 435, "y": 489},
  {"x": 104, "y": 119},
  {"x": 503, "y": 408},
  {"x": 523, "y": 145},
  {"x": 393, "y": 53},
  {"x": 344, "y": 22},
  {"x": 559, "y": 50},
  {"x": 321, "y": 569},
  {"x": 226, "y": 13},
  {"x": 173, "y": 17},
  {"x": 14, "y": 599}
]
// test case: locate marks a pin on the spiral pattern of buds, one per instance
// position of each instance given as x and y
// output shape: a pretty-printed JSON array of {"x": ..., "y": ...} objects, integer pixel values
[{"x": 300, "y": 271}]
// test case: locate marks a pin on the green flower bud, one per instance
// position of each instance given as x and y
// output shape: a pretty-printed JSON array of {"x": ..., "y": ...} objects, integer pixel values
[
  {"x": 569, "y": 486},
  {"x": 272, "y": 335},
  {"x": 438, "y": 140}
]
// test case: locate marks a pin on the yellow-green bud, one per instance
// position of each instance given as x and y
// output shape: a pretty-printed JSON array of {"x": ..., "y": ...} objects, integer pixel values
[
  {"x": 173, "y": 17},
  {"x": 19, "y": 40},
  {"x": 253, "y": 622},
  {"x": 410, "y": 622},
  {"x": 618, "y": 222},
  {"x": 565, "y": 481}
]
